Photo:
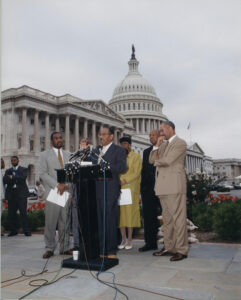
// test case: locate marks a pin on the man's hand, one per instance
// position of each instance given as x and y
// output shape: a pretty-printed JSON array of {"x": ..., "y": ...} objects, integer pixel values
[
  {"x": 160, "y": 140},
  {"x": 61, "y": 188},
  {"x": 123, "y": 182},
  {"x": 84, "y": 144}
]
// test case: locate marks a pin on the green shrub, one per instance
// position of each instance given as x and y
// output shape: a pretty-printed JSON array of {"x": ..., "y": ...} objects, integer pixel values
[
  {"x": 4, "y": 220},
  {"x": 34, "y": 220},
  {"x": 202, "y": 216},
  {"x": 198, "y": 187},
  {"x": 227, "y": 220},
  {"x": 41, "y": 216},
  {"x": 204, "y": 221}
]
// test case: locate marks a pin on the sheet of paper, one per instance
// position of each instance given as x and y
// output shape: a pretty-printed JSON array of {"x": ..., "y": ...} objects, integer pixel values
[
  {"x": 56, "y": 198},
  {"x": 86, "y": 163},
  {"x": 125, "y": 197}
]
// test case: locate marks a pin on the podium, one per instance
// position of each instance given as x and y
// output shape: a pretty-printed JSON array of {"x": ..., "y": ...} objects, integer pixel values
[{"x": 84, "y": 179}]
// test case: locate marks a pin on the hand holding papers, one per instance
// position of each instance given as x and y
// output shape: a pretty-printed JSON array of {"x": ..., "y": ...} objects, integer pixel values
[
  {"x": 56, "y": 198},
  {"x": 125, "y": 197}
]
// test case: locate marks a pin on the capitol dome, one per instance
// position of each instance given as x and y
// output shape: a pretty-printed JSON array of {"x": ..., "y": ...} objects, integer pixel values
[{"x": 135, "y": 98}]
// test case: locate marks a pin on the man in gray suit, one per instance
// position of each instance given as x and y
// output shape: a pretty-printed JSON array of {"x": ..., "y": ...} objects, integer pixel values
[
  {"x": 55, "y": 216},
  {"x": 170, "y": 186}
]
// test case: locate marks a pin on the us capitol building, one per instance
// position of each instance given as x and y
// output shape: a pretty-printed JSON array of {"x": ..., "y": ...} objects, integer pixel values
[{"x": 29, "y": 116}]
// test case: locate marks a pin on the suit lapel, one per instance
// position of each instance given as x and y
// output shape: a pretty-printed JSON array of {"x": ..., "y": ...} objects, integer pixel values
[
  {"x": 55, "y": 159},
  {"x": 171, "y": 145},
  {"x": 109, "y": 151}
]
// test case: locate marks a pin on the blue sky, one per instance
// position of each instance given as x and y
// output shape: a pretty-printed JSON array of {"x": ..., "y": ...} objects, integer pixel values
[{"x": 189, "y": 50}]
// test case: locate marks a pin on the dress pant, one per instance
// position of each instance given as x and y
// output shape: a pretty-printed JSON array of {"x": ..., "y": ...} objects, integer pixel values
[
  {"x": 107, "y": 213},
  {"x": 151, "y": 210},
  {"x": 57, "y": 217},
  {"x": 175, "y": 223},
  {"x": 17, "y": 202}
]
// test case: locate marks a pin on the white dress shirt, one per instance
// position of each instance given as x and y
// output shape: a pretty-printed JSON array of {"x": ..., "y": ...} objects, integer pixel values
[
  {"x": 61, "y": 152},
  {"x": 105, "y": 148}
]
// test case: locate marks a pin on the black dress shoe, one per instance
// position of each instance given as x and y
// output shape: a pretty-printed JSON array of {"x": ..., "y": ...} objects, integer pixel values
[
  {"x": 28, "y": 233},
  {"x": 48, "y": 254},
  {"x": 147, "y": 248},
  {"x": 12, "y": 233},
  {"x": 178, "y": 256}
]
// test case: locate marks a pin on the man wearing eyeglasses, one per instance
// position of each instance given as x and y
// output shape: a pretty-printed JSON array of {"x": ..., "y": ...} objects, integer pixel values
[{"x": 115, "y": 156}]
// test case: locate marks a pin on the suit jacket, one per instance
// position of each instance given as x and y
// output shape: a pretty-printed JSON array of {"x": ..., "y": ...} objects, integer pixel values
[
  {"x": 147, "y": 173},
  {"x": 116, "y": 157},
  {"x": 17, "y": 183},
  {"x": 170, "y": 172},
  {"x": 48, "y": 163}
]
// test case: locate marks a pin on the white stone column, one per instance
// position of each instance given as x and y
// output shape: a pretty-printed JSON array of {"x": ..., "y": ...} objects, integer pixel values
[
  {"x": 47, "y": 135},
  {"x": 85, "y": 132},
  {"x": 149, "y": 126},
  {"x": 24, "y": 129},
  {"x": 76, "y": 133},
  {"x": 187, "y": 164},
  {"x": 57, "y": 123},
  {"x": 137, "y": 126},
  {"x": 121, "y": 133},
  {"x": 36, "y": 131},
  {"x": 143, "y": 126},
  {"x": 67, "y": 119},
  {"x": 94, "y": 134}
]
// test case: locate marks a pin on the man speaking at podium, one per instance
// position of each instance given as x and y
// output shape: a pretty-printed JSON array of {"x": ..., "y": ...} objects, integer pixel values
[{"x": 115, "y": 156}]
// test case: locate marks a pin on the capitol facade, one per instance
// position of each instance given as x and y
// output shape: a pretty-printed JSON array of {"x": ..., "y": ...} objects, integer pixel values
[{"x": 28, "y": 116}]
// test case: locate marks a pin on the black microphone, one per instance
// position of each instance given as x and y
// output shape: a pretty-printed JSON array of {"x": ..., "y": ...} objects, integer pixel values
[{"x": 81, "y": 153}]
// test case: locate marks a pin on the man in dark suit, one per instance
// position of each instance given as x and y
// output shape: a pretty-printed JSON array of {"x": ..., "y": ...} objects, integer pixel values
[
  {"x": 150, "y": 202},
  {"x": 115, "y": 156},
  {"x": 16, "y": 194}
]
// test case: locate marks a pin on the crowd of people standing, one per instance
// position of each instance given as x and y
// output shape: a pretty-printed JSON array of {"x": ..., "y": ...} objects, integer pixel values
[{"x": 159, "y": 179}]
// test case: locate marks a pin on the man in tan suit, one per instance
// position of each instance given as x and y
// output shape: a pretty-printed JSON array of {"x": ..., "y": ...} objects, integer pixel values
[{"x": 170, "y": 186}]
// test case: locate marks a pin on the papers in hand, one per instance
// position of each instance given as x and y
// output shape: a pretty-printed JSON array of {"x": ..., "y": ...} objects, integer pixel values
[
  {"x": 125, "y": 197},
  {"x": 56, "y": 198}
]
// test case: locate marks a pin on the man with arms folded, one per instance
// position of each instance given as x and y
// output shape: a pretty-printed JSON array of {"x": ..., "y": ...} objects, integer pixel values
[{"x": 170, "y": 186}]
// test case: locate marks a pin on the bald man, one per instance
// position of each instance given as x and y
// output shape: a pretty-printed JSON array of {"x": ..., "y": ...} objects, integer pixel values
[
  {"x": 168, "y": 157},
  {"x": 150, "y": 202}
]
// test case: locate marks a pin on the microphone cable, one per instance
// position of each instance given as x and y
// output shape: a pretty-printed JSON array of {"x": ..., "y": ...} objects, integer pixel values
[{"x": 112, "y": 284}]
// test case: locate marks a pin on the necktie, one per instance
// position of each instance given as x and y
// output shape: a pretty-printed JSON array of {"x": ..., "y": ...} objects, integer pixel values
[
  {"x": 60, "y": 159},
  {"x": 167, "y": 143}
]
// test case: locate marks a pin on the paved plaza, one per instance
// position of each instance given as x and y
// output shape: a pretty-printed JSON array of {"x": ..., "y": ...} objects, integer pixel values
[{"x": 212, "y": 271}]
